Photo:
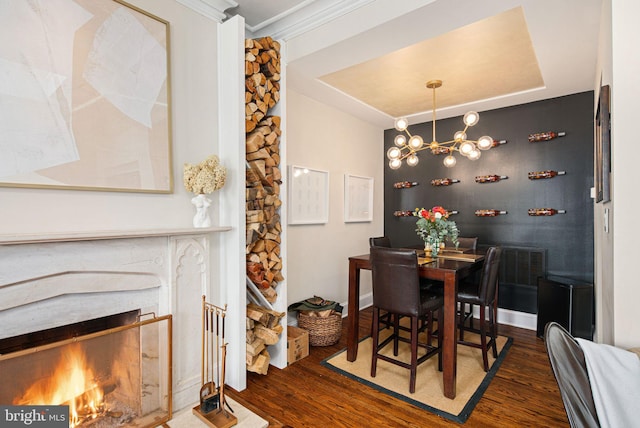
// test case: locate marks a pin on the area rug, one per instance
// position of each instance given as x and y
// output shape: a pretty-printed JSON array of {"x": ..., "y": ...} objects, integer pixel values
[{"x": 472, "y": 381}]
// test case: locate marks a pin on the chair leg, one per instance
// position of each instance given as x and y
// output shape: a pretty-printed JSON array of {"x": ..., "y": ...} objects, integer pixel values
[
  {"x": 429, "y": 328},
  {"x": 493, "y": 313},
  {"x": 396, "y": 333},
  {"x": 414, "y": 354},
  {"x": 461, "y": 321},
  {"x": 440, "y": 336},
  {"x": 483, "y": 339},
  {"x": 374, "y": 346}
]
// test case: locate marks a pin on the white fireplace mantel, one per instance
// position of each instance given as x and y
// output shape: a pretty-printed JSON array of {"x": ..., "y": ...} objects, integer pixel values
[
  {"x": 52, "y": 279},
  {"x": 104, "y": 234}
]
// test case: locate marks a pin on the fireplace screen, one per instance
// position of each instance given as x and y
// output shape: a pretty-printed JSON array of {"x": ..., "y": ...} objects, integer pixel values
[{"x": 116, "y": 377}]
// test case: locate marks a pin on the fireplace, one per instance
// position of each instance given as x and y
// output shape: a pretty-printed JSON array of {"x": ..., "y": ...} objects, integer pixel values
[
  {"x": 56, "y": 280},
  {"x": 108, "y": 377}
]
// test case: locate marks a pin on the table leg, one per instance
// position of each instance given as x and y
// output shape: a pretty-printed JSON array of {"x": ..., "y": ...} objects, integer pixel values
[
  {"x": 353, "y": 307},
  {"x": 449, "y": 344}
]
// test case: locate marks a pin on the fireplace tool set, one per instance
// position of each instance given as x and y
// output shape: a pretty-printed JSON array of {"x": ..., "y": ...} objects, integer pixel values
[{"x": 213, "y": 405}]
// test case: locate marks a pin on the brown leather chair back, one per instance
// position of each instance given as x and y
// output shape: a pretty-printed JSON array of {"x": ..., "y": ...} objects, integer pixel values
[
  {"x": 396, "y": 280},
  {"x": 380, "y": 241},
  {"x": 489, "y": 275},
  {"x": 464, "y": 242},
  {"x": 570, "y": 371}
]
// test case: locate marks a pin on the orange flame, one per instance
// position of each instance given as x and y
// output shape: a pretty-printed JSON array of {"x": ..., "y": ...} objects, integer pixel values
[{"x": 72, "y": 383}]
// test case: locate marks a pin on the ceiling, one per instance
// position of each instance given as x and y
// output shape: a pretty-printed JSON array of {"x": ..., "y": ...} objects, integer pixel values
[{"x": 372, "y": 58}]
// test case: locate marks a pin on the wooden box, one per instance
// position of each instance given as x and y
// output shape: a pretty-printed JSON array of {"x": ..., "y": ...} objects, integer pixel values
[{"x": 297, "y": 344}]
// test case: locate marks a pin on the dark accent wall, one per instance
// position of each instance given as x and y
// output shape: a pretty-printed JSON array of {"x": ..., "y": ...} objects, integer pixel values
[{"x": 566, "y": 238}]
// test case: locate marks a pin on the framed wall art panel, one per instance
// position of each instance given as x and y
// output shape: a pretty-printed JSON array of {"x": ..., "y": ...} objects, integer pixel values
[
  {"x": 86, "y": 101},
  {"x": 358, "y": 199},
  {"x": 308, "y": 195}
]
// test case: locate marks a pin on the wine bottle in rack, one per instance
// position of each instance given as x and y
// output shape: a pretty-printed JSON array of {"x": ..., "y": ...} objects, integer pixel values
[
  {"x": 441, "y": 150},
  {"x": 545, "y": 136},
  {"x": 444, "y": 181},
  {"x": 496, "y": 143},
  {"x": 490, "y": 178},
  {"x": 452, "y": 212},
  {"x": 489, "y": 213},
  {"x": 536, "y": 175},
  {"x": 405, "y": 184},
  {"x": 403, "y": 213},
  {"x": 545, "y": 211}
]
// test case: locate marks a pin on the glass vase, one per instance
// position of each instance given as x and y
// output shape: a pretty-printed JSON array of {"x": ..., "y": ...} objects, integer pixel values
[{"x": 432, "y": 247}]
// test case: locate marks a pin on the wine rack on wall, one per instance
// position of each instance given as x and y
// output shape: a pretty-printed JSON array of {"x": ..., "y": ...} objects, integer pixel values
[{"x": 550, "y": 175}]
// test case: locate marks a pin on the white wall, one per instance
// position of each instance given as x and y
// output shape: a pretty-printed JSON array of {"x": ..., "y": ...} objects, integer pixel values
[
  {"x": 625, "y": 90},
  {"x": 194, "y": 114},
  {"x": 324, "y": 138},
  {"x": 603, "y": 242}
]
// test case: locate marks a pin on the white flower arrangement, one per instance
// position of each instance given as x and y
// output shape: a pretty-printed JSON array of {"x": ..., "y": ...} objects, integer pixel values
[{"x": 206, "y": 177}]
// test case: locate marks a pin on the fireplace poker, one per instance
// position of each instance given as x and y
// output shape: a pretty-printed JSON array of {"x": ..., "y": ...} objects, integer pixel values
[
  {"x": 209, "y": 399},
  {"x": 218, "y": 346}
]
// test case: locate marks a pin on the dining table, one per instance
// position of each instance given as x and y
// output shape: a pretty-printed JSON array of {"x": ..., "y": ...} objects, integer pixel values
[{"x": 448, "y": 267}]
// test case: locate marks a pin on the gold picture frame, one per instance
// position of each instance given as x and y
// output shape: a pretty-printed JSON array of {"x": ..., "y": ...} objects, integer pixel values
[{"x": 88, "y": 107}]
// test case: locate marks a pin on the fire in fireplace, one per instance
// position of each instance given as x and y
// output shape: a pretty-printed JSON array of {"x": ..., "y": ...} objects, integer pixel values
[{"x": 110, "y": 377}]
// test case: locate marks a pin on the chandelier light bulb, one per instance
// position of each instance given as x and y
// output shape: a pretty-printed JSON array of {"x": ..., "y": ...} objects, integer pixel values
[
  {"x": 401, "y": 124},
  {"x": 471, "y": 118},
  {"x": 449, "y": 161},
  {"x": 416, "y": 142},
  {"x": 474, "y": 154},
  {"x": 395, "y": 163},
  {"x": 400, "y": 140},
  {"x": 466, "y": 148},
  {"x": 460, "y": 136},
  {"x": 412, "y": 160},
  {"x": 394, "y": 153},
  {"x": 485, "y": 142}
]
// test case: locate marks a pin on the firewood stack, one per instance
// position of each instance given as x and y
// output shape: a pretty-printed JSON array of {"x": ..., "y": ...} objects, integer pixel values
[
  {"x": 262, "y": 69},
  {"x": 263, "y": 329},
  {"x": 263, "y": 180}
]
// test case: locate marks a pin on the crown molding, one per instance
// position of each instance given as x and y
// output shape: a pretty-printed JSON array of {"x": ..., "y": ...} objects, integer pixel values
[
  {"x": 213, "y": 9},
  {"x": 308, "y": 16}
]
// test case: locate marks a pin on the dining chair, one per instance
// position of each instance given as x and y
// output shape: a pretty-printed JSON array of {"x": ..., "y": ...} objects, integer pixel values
[
  {"x": 396, "y": 290},
  {"x": 380, "y": 241},
  {"x": 463, "y": 242},
  {"x": 570, "y": 370},
  {"x": 484, "y": 294},
  {"x": 472, "y": 243}
]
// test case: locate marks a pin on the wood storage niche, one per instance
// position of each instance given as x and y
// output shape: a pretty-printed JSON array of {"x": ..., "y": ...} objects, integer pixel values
[{"x": 263, "y": 180}]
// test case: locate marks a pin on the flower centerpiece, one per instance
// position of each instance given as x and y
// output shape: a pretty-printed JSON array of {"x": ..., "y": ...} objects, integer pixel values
[
  {"x": 433, "y": 226},
  {"x": 202, "y": 179}
]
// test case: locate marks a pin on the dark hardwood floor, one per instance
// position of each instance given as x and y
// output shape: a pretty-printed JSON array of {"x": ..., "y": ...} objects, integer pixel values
[{"x": 524, "y": 393}]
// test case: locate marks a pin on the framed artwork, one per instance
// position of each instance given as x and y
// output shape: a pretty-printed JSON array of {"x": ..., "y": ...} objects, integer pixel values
[
  {"x": 603, "y": 146},
  {"x": 308, "y": 195},
  {"x": 358, "y": 198},
  {"x": 85, "y": 102}
]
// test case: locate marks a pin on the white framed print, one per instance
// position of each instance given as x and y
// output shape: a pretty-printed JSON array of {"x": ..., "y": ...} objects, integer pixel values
[
  {"x": 358, "y": 199},
  {"x": 308, "y": 195}
]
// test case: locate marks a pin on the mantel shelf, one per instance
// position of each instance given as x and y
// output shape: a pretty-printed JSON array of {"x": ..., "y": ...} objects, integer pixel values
[{"x": 104, "y": 234}]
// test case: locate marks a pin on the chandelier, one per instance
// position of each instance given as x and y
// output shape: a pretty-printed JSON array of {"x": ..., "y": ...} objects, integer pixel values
[{"x": 407, "y": 149}]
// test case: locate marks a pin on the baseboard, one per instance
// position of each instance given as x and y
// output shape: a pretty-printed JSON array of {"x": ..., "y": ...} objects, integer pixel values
[{"x": 505, "y": 316}]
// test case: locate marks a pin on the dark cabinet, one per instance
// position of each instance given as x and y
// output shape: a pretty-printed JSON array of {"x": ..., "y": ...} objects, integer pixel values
[{"x": 568, "y": 302}]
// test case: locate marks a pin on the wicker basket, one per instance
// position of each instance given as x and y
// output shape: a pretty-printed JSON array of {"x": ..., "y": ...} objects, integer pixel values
[{"x": 323, "y": 331}]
